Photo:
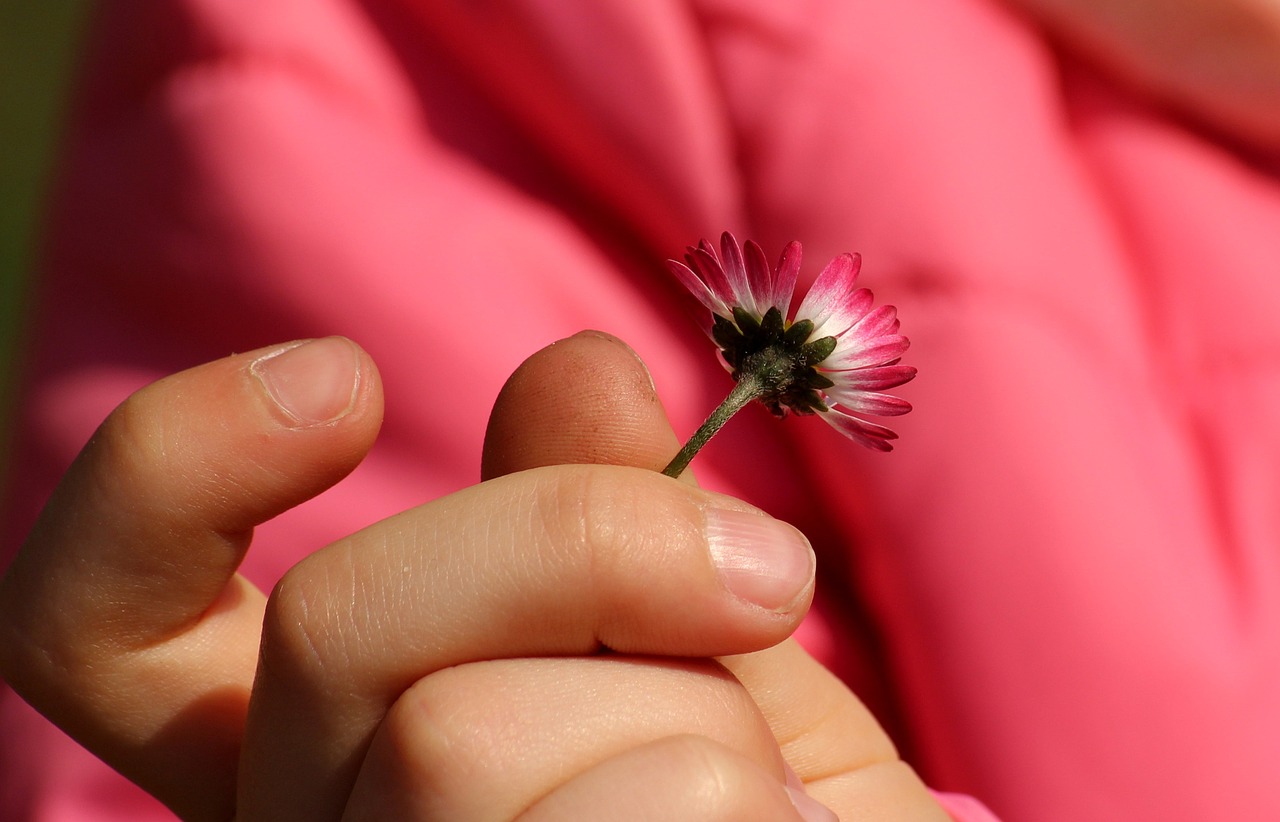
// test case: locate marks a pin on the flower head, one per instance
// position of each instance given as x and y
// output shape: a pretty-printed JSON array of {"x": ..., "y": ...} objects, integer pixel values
[{"x": 833, "y": 357}]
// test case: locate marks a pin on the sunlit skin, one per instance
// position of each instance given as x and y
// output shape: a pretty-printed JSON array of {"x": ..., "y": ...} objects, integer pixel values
[{"x": 170, "y": 694}]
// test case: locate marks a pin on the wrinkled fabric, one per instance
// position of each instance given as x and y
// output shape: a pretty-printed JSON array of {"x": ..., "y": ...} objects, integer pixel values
[{"x": 1060, "y": 593}]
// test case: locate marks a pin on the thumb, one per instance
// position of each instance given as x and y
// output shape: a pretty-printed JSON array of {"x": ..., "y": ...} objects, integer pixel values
[
  {"x": 122, "y": 618},
  {"x": 586, "y": 400},
  {"x": 589, "y": 399}
]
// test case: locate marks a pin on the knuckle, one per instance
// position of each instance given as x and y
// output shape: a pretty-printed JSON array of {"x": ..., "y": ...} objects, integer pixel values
[
  {"x": 573, "y": 513},
  {"x": 489, "y": 735},
  {"x": 718, "y": 784},
  {"x": 591, "y": 532},
  {"x": 608, "y": 516},
  {"x": 431, "y": 729},
  {"x": 132, "y": 448},
  {"x": 301, "y": 636},
  {"x": 450, "y": 744},
  {"x": 560, "y": 509},
  {"x": 156, "y": 462},
  {"x": 707, "y": 766}
]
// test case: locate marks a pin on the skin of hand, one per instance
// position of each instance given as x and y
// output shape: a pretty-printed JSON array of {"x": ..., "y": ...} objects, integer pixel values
[
  {"x": 1217, "y": 60},
  {"x": 613, "y": 415},
  {"x": 535, "y": 645}
]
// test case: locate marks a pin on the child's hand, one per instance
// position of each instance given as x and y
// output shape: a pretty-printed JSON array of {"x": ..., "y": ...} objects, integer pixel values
[
  {"x": 441, "y": 663},
  {"x": 612, "y": 415}
]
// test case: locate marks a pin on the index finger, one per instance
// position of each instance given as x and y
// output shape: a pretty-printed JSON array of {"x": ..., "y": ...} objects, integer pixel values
[{"x": 560, "y": 560}]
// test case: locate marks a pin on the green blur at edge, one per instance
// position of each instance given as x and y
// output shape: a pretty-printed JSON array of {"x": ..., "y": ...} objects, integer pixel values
[{"x": 39, "y": 41}]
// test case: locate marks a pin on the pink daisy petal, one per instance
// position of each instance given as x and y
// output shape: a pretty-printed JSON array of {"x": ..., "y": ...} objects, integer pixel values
[
  {"x": 760, "y": 277},
  {"x": 785, "y": 276},
  {"x": 878, "y": 322},
  {"x": 880, "y": 351},
  {"x": 846, "y": 314},
  {"x": 868, "y": 402},
  {"x": 702, "y": 260},
  {"x": 831, "y": 289},
  {"x": 736, "y": 272},
  {"x": 877, "y": 378},
  {"x": 696, "y": 287},
  {"x": 873, "y": 436}
]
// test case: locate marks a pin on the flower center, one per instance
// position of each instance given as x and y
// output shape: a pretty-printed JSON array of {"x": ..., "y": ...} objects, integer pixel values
[{"x": 777, "y": 357}]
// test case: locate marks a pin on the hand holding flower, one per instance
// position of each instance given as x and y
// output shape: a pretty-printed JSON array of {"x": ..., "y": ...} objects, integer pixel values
[{"x": 410, "y": 669}]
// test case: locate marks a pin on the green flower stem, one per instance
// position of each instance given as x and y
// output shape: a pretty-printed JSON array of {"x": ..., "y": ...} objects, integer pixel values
[{"x": 749, "y": 387}]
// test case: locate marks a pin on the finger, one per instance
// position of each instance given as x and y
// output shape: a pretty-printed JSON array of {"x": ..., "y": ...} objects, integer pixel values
[
  {"x": 826, "y": 733},
  {"x": 561, "y": 560},
  {"x": 586, "y": 399},
  {"x": 483, "y": 741},
  {"x": 678, "y": 778},
  {"x": 122, "y": 618},
  {"x": 834, "y": 744}
]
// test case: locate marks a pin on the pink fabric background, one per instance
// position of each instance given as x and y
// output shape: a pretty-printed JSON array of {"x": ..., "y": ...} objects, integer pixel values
[{"x": 1061, "y": 592}]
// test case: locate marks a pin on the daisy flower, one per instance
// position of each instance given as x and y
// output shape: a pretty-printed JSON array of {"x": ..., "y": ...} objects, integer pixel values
[{"x": 833, "y": 357}]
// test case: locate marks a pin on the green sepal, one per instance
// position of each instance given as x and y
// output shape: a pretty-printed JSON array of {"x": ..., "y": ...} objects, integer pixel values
[
  {"x": 818, "y": 350},
  {"x": 725, "y": 333},
  {"x": 748, "y": 324},
  {"x": 816, "y": 381},
  {"x": 798, "y": 333},
  {"x": 806, "y": 402},
  {"x": 772, "y": 324}
]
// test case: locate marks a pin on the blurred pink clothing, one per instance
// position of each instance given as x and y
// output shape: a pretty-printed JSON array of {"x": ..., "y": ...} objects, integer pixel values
[{"x": 1061, "y": 592}]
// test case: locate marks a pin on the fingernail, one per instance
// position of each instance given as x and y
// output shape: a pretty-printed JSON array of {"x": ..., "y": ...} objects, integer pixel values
[
  {"x": 760, "y": 559},
  {"x": 601, "y": 335},
  {"x": 810, "y": 809},
  {"x": 314, "y": 382},
  {"x": 793, "y": 778},
  {"x": 618, "y": 341}
]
